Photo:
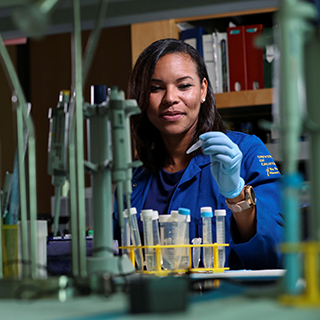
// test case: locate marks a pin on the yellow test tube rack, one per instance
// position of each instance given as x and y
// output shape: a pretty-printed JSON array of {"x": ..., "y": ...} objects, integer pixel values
[
  {"x": 311, "y": 256},
  {"x": 160, "y": 272}
]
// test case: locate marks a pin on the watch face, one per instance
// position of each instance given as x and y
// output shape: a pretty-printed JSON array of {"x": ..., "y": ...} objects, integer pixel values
[{"x": 251, "y": 194}]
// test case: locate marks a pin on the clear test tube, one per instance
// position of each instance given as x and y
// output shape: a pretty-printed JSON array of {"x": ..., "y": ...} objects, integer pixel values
[
  {"x": 207, "y": 214},
  {"x": 146, "y": 216},
  {"x": 221, "y": 235},
  {"x": 135, "y": 237},
  {"x": 181, "y": 260},
  {"x": 166, "y": 238},
  {"x": 156, "y": 234},
  {"x": 125, "y": 235}
]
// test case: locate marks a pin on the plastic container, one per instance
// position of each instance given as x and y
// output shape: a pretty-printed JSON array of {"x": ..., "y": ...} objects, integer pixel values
[
  {"x": 135, "y": 237},
  {"x": 196, "y": 252},
  {"x": 125, "y": 235},
  {"x": 207, "y": 214},
  {"x": 147, "y": 216},
  {"x": 156, "y": 233},
  {"x": 221, "y": 235},
  {"x": 181, "y": 236},
  {"x": 166, "y": 238}
]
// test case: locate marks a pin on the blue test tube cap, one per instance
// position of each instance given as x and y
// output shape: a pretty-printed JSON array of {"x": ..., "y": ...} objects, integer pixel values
[
  {"x": 206, "y": 212},
  {"x": 184, "y": 211}
]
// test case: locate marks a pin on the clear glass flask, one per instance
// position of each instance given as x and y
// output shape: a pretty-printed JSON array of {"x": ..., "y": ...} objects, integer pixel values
[
  {"x": 207, "y": 214},
  {"x": 221, "y": 235}
]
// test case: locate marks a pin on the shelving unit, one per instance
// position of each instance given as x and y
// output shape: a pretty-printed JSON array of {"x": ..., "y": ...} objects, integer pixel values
[
  {"x": 244, "y": 98},
  {"x": 142, "y": 34}
]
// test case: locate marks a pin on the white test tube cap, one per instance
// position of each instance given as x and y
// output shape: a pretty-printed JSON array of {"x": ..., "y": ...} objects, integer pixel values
[
  {"x": 220, "y": 212},
  {"x": 146, "y": 213},
  {"x": 133, "y": 210},
  {"x": 155, "y": 215},
  {"x": 206, "y": 212},
  {"x": 174, "y": 215}
]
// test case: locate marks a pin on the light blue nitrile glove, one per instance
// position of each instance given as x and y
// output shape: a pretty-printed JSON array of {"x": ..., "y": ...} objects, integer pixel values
[{"x": 226, "y": 159}]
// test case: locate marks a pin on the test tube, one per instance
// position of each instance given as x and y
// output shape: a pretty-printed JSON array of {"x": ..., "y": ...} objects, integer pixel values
[
  {"x": 196, "y": 252},
  {"x": 221, "y": 238},
  {"x": 135, "y": 237},
  {"x": 166, "y": 238},
  {"x": 155, "y": 227},
  {"x": 147, "y": 215},
  {"x": 181, "y": 260},
  {"x": 207, "y": 214},
  {"x": 125, "y": 235}
]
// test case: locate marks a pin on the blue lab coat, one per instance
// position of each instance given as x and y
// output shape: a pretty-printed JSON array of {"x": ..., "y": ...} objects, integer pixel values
[{"x": 197, "y": 188}]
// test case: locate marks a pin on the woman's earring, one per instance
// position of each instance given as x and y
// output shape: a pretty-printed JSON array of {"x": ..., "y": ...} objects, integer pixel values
[{"x": 203, "y": 100}]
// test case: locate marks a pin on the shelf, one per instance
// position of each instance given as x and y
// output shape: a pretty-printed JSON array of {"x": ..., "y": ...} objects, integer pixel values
[{"x": 244, "y": 98}]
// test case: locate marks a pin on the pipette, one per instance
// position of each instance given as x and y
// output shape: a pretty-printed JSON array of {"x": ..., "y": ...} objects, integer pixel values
[{"x": 195, "y": 146}]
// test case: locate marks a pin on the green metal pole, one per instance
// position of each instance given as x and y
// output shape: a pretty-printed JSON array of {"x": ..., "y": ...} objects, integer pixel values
[
  {"x": 293, "y": 26},
  {"x": 101, "y": 185},
  {"x": 313, "y": 123},
  {"x": 79, "y": 138},
  {"x": 93, "y": 39}
]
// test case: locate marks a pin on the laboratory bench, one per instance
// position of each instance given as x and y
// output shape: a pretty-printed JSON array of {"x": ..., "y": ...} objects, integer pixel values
[{"x": 229, "y": 301}]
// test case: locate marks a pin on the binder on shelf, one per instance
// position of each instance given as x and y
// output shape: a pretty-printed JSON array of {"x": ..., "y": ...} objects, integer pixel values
[
  {"x": 237, "y": 58},
  {"x": 194, "y": 38},
  {"x": 254, "y": 57},
  {"x": 207, "y": 46},
  {"x": 221, "y": 66}
]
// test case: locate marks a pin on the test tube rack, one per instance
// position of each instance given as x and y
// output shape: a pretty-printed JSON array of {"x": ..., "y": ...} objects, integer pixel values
[{"x": 161, "y": 272}]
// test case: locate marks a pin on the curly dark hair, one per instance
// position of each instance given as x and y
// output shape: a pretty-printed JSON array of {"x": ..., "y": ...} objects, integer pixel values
[{"x": 148, "y": 143}]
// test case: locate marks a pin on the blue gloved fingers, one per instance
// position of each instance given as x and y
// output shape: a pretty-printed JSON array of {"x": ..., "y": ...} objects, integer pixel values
[
  {"x": 214, "y": 149},
  {"x": 228, "y": 164},
  {"x": 226, "y": 159},
  {"x": 220, "y": 138}
]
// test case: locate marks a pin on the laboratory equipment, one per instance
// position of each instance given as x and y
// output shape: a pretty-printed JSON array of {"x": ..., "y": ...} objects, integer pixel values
[
  {"x": 135, "y": 236},
  {"x": 147, "y": 216},
  {"x": 195, "y": 146},
  {"x": 207, "y": 214},
  {"x": 57, "y": 153},
  {"x": 220, "y": 232},
  {"x": 196, "y": 252},
  {"x": 167, "y": 238},
  {"x": 181, "y": 236}
]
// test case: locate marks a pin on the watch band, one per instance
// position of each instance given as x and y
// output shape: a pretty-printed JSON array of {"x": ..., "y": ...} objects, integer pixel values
[{"x": 245, "y": 204}]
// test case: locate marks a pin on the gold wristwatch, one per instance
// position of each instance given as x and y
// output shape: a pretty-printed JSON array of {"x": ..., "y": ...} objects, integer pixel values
[{"x": 248, "y": 202}]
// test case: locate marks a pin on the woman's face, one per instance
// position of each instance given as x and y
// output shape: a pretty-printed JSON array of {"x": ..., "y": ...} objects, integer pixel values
[{"x": 176, "y": 95}]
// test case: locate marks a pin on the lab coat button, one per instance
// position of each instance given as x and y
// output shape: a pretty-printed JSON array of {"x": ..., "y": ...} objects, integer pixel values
[{"x": 134, "y": 185}]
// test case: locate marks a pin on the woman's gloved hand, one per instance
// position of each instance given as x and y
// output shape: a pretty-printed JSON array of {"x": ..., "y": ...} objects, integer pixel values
[{"x": 225, "y": 162}]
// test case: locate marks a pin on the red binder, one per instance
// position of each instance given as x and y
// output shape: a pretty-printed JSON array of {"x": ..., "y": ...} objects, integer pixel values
[
  {"x": 237, "y": 58},
  {"x": 255, "y": 74}
]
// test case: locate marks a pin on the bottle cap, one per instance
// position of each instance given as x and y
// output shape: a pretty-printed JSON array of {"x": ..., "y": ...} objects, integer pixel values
[
  {"x": 133, "y": 210},
  {"x": 155, "y": 215},
  {"x": 174, "y": 215},
  {"x": 206, "y": 212},
  {"x": 184, "y": 211},
  {"x": 146, "y": 213},
  {"x": 220, "y": 212}
]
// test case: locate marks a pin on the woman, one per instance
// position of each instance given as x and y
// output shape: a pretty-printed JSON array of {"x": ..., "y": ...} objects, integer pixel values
[{"x": 173, "y": 90}]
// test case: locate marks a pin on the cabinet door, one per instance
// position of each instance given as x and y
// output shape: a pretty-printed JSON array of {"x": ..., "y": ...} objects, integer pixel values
[{"x": 143, "y": 34}]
